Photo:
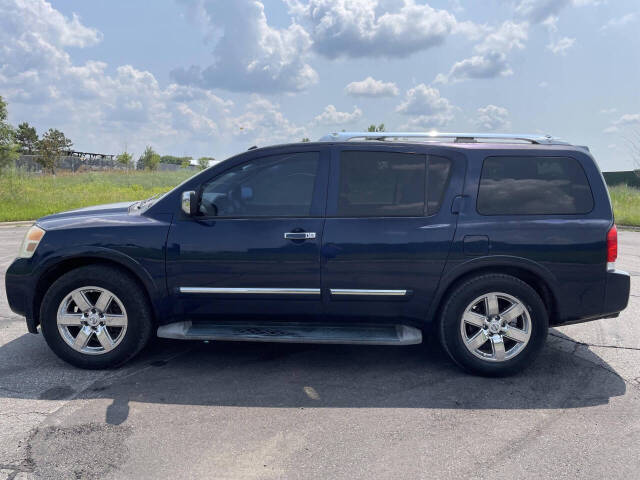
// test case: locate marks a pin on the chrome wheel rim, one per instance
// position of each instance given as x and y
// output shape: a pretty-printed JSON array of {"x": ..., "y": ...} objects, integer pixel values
[
  {"x": 92, "y": 320},
  {"x": 495, "y": 327}
]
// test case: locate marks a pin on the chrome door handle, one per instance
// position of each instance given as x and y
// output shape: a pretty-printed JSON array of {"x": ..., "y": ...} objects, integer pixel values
[{"x": 299, "y": 235}]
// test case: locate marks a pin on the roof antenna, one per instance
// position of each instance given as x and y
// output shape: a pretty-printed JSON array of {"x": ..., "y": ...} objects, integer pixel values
[{"x": 253, "y": 147}]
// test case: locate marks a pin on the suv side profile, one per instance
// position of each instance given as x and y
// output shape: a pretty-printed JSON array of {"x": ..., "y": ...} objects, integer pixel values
[{"x": 363, "y": 238}]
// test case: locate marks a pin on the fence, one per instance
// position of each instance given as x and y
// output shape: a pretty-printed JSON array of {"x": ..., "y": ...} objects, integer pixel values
[
  {"x": 76, "y": 163},
  {"x": 631, "y": 178}
]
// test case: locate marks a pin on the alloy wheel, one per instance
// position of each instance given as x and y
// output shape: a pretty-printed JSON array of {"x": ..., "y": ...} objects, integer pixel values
[
  {"x": 92, "y": 320},
  {"x": 495, "y": 327}
]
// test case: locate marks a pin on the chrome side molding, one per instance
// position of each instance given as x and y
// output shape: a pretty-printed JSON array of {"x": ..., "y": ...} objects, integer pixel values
[
  {"x": 251, "y": 291},
  {"x": 355, "y": 291}
]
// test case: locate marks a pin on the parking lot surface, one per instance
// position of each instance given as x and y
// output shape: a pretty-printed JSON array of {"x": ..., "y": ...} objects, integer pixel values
[{"x": 263, "y": 411}]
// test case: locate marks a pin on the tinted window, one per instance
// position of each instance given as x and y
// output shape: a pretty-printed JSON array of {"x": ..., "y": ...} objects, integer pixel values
[
  {"x": 438, "y": 179},
  {"x": 280, "y": 185},
  {"x": 533, "y": 186},
  {"x": 381, "y": 184}
]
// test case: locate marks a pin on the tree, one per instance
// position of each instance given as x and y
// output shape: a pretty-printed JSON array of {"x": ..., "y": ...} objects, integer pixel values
[
  {"x": 203, "y": 162},
  {"x": 125, "y": 159},
  {"x": 373, "y": 128},
  {"x": 8, "y": 146},
  {"x": 149, "y": 160},
  {"x": 51, "y": 147},
  {"x": 27, "y": 138},
  {"x": 305, "y": 140},
  {"x": 186, "y": 162}
]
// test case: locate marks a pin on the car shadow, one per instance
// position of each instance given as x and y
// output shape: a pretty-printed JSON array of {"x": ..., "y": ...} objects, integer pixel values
[{"x": 303, "y": 376}]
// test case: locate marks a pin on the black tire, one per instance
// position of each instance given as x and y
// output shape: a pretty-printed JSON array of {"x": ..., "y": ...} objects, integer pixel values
[
  {"x": 128, "y": 291},
  {"x": 465, "y": 293}
]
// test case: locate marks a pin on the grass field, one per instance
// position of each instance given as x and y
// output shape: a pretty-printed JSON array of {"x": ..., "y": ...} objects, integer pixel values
[
  {"x": 626, "y": 205},
  {"x": 26, "y": 197}
]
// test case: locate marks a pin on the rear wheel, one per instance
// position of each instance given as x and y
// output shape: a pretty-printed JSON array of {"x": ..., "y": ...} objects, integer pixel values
[
  {"x": 493, "y": 324},
  {"x": 95, "y": 317}
]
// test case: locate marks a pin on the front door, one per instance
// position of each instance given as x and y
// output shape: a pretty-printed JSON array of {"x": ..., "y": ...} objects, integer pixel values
[
  {"x": 253, "y": 250},
  {"x": 388, "y": 230}
]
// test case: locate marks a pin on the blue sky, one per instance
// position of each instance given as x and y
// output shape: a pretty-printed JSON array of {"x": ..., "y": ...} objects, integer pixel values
[{"x": 213, "y": 77}]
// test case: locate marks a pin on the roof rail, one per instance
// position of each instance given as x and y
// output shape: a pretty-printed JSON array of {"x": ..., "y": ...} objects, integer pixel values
[{"x": 457, "y": 137}]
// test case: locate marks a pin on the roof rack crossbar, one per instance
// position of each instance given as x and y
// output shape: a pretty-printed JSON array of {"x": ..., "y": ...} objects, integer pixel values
[{"x": 457, "y": 137}]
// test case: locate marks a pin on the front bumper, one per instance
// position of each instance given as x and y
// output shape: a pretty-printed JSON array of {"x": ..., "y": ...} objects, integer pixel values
[{"x": 21, "y": 289}]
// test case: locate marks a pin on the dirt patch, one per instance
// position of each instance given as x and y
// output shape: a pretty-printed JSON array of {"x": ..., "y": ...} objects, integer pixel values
[{"x": 87, "y": 451}]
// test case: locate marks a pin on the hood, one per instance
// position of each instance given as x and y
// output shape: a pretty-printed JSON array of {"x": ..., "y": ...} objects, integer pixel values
[{"x": 93, "y": 214}]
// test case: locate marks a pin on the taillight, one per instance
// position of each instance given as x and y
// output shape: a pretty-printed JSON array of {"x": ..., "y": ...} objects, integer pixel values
[{"x": 612, "y": 247}]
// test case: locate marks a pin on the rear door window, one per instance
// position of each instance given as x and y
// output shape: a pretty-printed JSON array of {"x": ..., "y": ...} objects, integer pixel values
[
  {"x": 381, "y": 184},
  {"x": 533, "y": 186}
]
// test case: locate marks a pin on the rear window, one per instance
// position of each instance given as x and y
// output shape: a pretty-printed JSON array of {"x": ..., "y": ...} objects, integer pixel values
[{"x": 533, "y": 186}]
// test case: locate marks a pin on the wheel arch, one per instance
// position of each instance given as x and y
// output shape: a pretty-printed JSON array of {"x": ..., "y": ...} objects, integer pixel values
[
  {"x": 54, "y": 271},
  {"x": 538, "y": 277}
]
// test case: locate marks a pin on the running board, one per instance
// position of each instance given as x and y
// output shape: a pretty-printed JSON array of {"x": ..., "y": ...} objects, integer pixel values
[{"x": 293, "y": 333}]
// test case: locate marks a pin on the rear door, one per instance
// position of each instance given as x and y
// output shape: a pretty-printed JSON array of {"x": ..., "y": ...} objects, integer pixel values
[{"x": 388, "y": 228}]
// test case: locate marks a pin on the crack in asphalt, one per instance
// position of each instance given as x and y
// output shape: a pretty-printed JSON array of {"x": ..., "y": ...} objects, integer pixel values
[{"x": 617, "y": 347}]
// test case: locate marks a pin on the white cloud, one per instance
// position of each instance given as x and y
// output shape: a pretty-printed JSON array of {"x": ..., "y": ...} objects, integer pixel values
[
  {"x": 427, "y": 106},
  {"x": 608, "y": 111},
  {"x": 372, "y": 28},
  {"x": 102, "y": 111},
  {"x": 561, "y": 46},
  {"x": 490, "y": 60},
  {"x": 264, "y": 123},
  {"x": 620, "y": 22},
  {"x": 628, "y": 119},
  {"x": 623, "y": 121},
  {"x": 331, "y": 116},
  {"x": 249, "y": 54},
  {"x": 369, "y": 87},
  {"x": 543, "y": 84},
  {"x": 537, "y": 11},
  {"x": 493, "y": 117}
]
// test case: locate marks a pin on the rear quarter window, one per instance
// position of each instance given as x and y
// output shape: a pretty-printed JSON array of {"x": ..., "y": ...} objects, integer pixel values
[{"x": 533, "y": 186}]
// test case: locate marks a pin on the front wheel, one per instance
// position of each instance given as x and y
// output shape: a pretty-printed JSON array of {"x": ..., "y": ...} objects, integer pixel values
[
  {"x": 95, "y": 317},
  {"x": 493, "y": 324}
]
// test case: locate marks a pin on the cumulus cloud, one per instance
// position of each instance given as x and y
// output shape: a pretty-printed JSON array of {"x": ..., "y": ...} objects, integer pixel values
[
  {"x": 370, "y": 87},
  {"x": 264, "y": 123},
  {"x": 623, "y": 121},
  {"x": 490, "y": 59},
  {"x": 619, "y": 22},
  {"x": 103, "y": 111},
  {"x": 331, "y": 116},
  {"x": 561, "y": 46},
  {"x": 537, "y": 11},
  {"x": 372, "y": 28},
  {"x": 249, "y": 54},
  {"x": 427, "y": 107},
  {"x": 493, "y": 117}
]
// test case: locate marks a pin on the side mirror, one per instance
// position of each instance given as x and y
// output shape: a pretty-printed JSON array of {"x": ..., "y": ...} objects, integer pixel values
[{"x": 189, "y": 203}]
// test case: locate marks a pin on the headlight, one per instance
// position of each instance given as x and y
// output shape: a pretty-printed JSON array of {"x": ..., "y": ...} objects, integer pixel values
[{"x": 30, "y": 242}]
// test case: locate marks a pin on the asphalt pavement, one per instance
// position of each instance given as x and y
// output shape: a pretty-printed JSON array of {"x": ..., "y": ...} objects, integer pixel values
[{"x": 271, "y": 411}]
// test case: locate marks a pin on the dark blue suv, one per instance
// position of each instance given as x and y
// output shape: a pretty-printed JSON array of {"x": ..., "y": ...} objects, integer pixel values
[{"x": 363, "y": 238}]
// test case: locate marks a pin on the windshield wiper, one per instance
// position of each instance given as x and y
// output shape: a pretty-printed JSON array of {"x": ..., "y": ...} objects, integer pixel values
[{"x": 140, "y": 204}]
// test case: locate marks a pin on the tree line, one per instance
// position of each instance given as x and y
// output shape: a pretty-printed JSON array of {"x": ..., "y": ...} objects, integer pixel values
[{"x": 53, "y": 144}]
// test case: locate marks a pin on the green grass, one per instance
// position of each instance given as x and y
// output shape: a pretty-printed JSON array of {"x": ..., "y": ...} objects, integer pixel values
[
  {"x": 626, "y": 205},
  {"x": 26, "y": 197}
]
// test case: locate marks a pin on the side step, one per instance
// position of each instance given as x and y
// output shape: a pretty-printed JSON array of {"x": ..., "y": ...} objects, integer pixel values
[{"x": 293, "y": 333}]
